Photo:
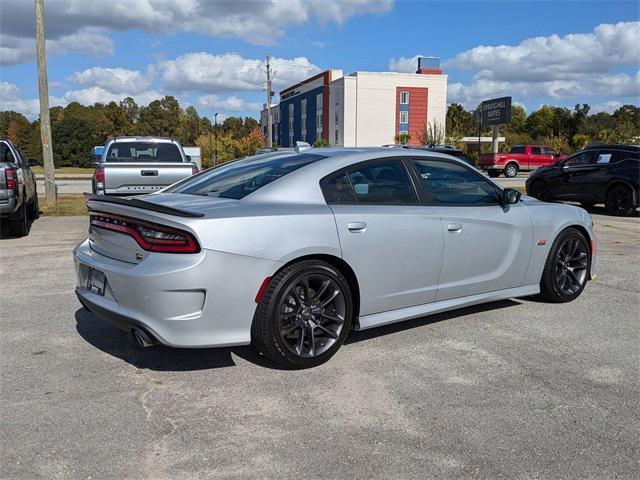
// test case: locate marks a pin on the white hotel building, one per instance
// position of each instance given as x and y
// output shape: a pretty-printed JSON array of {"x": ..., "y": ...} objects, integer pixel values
[{"x": 362, "y": 109}]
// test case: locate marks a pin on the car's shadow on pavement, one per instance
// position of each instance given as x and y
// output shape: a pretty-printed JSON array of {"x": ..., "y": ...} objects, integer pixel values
[{"x": 122, "y": 345}]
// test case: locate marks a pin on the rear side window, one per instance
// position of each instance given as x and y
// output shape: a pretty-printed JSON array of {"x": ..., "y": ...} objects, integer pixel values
[
  {"x": 338, "y": 190},
  {"x": 518, "y": 149},
  {"x": 5, "y": 153},
  {"x": 143, "y": 152},
  {"x": 372, "y": 183},
  {"x": 448, "y": 183},
  {"x": 382, "y": 183},
  {"x": 240, "y": 178}
]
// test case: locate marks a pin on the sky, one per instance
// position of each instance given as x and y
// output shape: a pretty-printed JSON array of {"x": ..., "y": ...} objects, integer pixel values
[{"x": 210, "y": 53}]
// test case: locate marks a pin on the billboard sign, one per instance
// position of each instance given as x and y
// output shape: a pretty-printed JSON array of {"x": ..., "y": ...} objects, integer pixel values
[{"x": 496, "y": 111}]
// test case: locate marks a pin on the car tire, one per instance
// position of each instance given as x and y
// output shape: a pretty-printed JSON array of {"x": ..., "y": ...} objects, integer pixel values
[
  {"x": 511, "y": 170},
  {"x": 619, "y": 201},
  {"x": 538, "y": 189},
  {"x": 494, "y": 173},
  {"x": 34, "y": 209},
  {"x": 19, "y": 224},
  {"x": 303, "y": 316},
  {"x": 567, "y": 268}
]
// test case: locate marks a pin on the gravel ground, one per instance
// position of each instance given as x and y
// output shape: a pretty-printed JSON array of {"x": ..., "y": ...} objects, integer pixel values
[{"x": 515, "y": 389}]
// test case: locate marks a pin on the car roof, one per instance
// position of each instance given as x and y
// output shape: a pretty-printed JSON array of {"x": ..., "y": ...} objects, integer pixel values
[
  {"x": 294, "y": 187},
  {"x": 633, "y": 148}
]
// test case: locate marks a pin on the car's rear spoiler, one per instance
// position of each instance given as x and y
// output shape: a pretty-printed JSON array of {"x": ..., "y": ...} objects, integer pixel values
[{"x": 137, "y": 203}]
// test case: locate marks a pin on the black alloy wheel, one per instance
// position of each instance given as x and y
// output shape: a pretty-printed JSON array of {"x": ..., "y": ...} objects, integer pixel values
[
  {"x": 567, "y": 268},
  {"x": 311, "y": 315},
  {"x": 304, "y": 315},
  {"x": 620, "y": 201}
]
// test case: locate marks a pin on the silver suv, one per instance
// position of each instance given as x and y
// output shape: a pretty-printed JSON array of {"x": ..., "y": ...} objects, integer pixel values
[{"x": 18, "y": 195}]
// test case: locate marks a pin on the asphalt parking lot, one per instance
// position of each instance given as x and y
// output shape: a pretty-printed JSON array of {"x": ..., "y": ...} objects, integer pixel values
[{"x": 514, "y": 389}]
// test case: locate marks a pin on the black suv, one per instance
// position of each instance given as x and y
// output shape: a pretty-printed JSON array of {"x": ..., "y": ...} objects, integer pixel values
[{"x": 606, "y": 174}]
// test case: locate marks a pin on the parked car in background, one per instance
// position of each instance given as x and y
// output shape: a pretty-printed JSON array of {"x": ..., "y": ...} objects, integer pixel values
[
  {"x": 606, "y": 174},
  {"x": 18, "y": 194},
  {"x": 135, "y": 165},
  {"x": 449, "y": 150},
  {"x": 520, "y": 158},
  {"x": 292, "y": 250}
]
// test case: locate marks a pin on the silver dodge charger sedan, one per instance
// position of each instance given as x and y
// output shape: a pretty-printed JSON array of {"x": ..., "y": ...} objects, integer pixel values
[{"x": 289, "y": 251}]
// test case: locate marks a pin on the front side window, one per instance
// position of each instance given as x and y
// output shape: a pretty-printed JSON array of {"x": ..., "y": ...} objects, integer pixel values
[
  {"x": 143, "y": 152},
  {"x": 240, "y": 178},
  {"x": 404, "y": 98},
  {"x": 452, "y": 184},
  {"x": 536, "y": 151},
  {"x": 583, "y": 158},
  {"x": 548, "y": 151}
]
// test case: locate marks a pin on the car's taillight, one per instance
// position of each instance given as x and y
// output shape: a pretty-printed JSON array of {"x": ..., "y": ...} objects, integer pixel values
[
  {"x": 150, "y": 236},
  {"x": 100, "y": 175},
  {"x": 10, "y": 175}
]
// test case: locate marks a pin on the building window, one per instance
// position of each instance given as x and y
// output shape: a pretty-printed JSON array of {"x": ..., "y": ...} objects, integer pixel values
[
  {"x": 319, "y": 112},
  {"x": 404, "y": 132},
  {"x": 291, "y": 113},
  {"x": 336, "y": 137},
  {"x": 404, "y": 116},
  {"x": 404, "y": 98},
  {"x": 303, "y": 120}
]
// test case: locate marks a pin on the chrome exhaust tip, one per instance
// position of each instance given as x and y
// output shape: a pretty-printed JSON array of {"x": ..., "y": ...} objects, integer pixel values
[{"x": 143, "y": 338}]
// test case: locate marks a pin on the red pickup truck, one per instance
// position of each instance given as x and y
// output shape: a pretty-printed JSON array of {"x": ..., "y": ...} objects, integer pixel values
[{"x": 521, "y": 157}]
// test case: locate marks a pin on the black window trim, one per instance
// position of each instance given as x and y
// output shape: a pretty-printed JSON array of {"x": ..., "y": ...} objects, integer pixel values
[
  {"x": 355, "y": 166},
  {"x": 428, "y": 198}
]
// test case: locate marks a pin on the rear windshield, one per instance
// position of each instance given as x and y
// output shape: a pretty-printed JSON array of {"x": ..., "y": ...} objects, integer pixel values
[
  {"x": 240, "y": 178},
  {"x": 143, "y": 152}
]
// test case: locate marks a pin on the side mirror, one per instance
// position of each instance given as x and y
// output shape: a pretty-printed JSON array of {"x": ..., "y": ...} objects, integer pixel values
[
  {"x": 510, "y": 196},
  {"x": 565, "y": 167},
  {"x": 32, "y": 162},
  {"x": 189, "y": 158}
]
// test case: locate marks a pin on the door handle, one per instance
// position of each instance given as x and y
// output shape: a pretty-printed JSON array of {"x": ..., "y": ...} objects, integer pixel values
[
  {"x": 454, "y": 227},
  {"x": 149, "y": 173},
  {"x": 357, "y": 227}
]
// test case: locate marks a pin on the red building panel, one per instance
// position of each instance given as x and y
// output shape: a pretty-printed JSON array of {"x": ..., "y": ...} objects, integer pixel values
[{"x": 418, "y": 105}]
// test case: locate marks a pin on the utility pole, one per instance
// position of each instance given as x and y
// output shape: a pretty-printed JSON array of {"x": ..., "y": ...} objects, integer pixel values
[
  {"x": 215, "y": 138},
  {"x": 269, "y": 122},
  {"x": 45, "y": 121}
]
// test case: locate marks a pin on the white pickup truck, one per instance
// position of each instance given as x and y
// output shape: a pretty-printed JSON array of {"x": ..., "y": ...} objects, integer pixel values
[{"x": 136, "y": 165}]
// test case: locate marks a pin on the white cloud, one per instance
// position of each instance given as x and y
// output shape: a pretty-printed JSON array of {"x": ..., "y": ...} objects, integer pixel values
[
  {"x": 608, "y": 107},
  {"x": 90, "y": 41},
  {"x": 91, "y": 95},
  {"x": 261, "y": 22},
  {"x": 554, "y": 57},
  {"x": 10, "y": 99},
  {"x": 115, "y": 80},
  {"x": 404, "y": 64},
  {"x": 318, "y": 44},
  {"x": 232, "y": 103},
  {"x": 205, "y": 72},
  {"x": 575, "y": 66}
]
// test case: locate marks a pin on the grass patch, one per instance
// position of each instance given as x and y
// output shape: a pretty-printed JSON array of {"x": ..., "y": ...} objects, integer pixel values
[
  {"x": 68, "y": 205},
  {"x": 38, "y": 170}
]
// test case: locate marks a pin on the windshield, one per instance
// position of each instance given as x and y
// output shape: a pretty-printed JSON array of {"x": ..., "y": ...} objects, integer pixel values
[
  {"x": 240, "y": 178},
  {"x": 143, "y": 152}
]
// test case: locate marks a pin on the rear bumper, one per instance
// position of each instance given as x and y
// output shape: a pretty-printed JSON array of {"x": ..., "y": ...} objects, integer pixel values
[
  {"x": 8, "y": 206},
  {"x": 191, "y": 301}
]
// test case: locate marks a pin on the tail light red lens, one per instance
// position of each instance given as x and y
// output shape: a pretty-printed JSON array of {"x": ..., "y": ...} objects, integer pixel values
[
  {"x": 11, "y": 181},
  {"x": 100, "y": 175},
  {"x": 150, "y": 236}
]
